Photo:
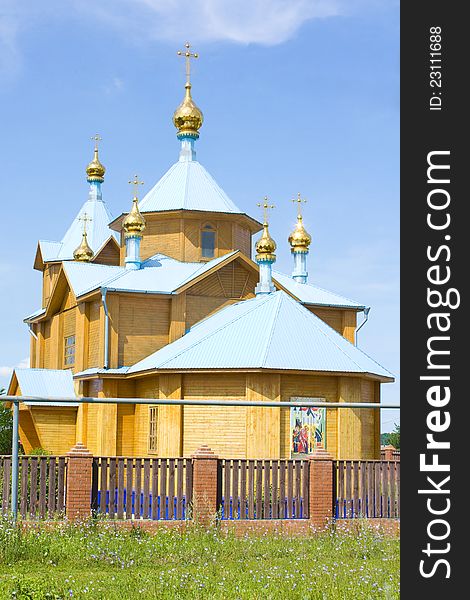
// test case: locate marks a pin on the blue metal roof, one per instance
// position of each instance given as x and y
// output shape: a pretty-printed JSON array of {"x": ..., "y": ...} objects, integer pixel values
[
  {"x": 187, "y": 185},
  {"x": 49, "y": 383},
  {"x": 159, "y": 274},
  {"x": 312, "y": 294},
  {"x": 271, "y": 331},
  {"x": 101, "y": 371},
  {"x": 98, "y": 232}
]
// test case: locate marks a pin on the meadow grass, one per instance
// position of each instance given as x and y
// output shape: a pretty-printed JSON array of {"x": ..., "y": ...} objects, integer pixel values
[{"x": 97, "y": 561}]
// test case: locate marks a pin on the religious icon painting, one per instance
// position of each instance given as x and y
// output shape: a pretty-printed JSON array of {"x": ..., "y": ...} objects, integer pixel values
[{"x": 307, "y": 428}]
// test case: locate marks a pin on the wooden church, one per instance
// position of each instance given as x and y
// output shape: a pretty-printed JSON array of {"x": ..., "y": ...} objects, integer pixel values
[{"x": 167, "y": 301}]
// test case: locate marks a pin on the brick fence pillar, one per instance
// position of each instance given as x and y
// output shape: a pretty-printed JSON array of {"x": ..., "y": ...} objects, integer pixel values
[
  {"x": 321, "y": 489},
  {"x": 78, "y": 494},
  {"x": 388, "y": 452},
  {"x": 205, "y": 468}
]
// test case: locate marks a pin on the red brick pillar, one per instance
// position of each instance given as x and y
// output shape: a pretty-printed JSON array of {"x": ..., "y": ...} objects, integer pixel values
[
  {"x": 78, "y": 495},
  {"x": 205, "y": 488},
  {"x": 321, "y": 492},
  {"x": 388, "y": 452}
]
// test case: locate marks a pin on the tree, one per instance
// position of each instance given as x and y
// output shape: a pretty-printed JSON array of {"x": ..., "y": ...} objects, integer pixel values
[
  {"x": 6, "y": 427},
  {"x": 394, "y": 437}
]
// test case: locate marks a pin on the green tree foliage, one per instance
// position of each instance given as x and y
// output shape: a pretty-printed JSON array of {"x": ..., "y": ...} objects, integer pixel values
[
  {"x": 6, "y": 427},
  {"x": 394, "y": 437}
]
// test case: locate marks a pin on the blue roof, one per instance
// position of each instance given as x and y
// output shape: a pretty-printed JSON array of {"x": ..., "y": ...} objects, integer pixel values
[
  {"x": 48, "y": 383},
  {"x": 159, "y": 274},
  {"x": 271, "y": 331},
  {"x": 188, "y": 186},
  {"x": 101, "y": 371},
  {"x": 312, "y": 294},
  {"x": 98, "y": 232}
]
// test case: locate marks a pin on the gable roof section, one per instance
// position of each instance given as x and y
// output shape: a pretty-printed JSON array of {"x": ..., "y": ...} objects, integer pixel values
[
  {"x": 187, "y": 186},
  {"x": 272, "y": 331},
  {"x": 98, "y": 233},
  {"x": 312, "y": 294},
  {"x": 48, "y": 383}
]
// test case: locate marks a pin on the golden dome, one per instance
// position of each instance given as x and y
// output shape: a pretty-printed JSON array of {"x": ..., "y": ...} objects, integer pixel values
[
  {"x": 299, "y": 239},
  {"x": 95, "y": 170},
  {"x": 134, "y": 222},
  {"x": 83, "y": 253},
  {"x": 265, "y": 246},
  {"x": 188, "y": 118}
]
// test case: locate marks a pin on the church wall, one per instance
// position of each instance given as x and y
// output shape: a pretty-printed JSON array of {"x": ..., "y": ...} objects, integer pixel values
[
  {"x": 161, "y": 235},
  {"x": 222, "y": 428},
  {"x": 145, "y": 387},
  {"x": 342, "y": 321},
  {"x": 358, "y": 434},
  {"x": 144, "y": 325},
  {"x": 47, "y": 345},
  {"x": 49, "y": 277},
  {"x": 180, "y": 236},
  {"x": 241, "y": 239},
  {"x": 263, "y": 425},
  {"x": 309, "y": 386},
  {"x": 109, "y": 255},
  {"x": 55, "y": 427},
  {"x": 94, "y": 331},
  {"x": 226, "y": 286}
]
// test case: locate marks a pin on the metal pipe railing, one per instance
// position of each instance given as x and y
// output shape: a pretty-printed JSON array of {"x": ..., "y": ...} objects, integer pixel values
[{"x": 17, "y": 400}]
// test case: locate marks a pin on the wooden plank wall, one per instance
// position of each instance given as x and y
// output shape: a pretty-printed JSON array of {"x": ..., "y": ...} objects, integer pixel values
[
  {"x": 144, "y": 325},
  {"x": 221, "y": 428},
  {"x": 55, "y": 427}
]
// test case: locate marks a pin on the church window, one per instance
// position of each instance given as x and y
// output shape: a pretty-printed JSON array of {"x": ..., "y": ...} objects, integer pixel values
[
  {"x": 69, "y": 351},
  {"x": 153, "y": 428},
  {"x": 208, "y": 242}
]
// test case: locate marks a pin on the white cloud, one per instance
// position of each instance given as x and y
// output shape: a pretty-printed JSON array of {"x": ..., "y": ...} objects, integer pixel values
[
  {"x": 9, "y": 54},
  {"x": 7, "y": 371},
  {"x": 243, "y": 21}
]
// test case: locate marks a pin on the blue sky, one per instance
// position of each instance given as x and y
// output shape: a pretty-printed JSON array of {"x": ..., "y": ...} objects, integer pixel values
[{"x": 297, "y": 96}]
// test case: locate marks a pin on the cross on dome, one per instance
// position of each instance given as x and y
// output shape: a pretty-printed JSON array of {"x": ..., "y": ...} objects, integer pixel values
[
  {"x": 97, "y": 139},
  {"x": 85, "y": 219},
  {"x": 188, "y": 55},
  {"x": 266, "y": 207},
  {"x": 299, "y": 200},
  {"x": 135, "y": 182}
]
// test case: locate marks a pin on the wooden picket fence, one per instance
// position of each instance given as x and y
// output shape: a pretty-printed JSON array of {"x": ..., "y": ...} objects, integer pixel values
[
  {"x": 264, "y": 489},
  {"x": 142, "y": 488},
  {"x": 41, "y": 491},
  {"x": 367, "y": 488}
]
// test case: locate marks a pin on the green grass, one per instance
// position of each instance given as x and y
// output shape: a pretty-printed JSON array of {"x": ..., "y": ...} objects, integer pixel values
[{"x": 96, "y": 561}]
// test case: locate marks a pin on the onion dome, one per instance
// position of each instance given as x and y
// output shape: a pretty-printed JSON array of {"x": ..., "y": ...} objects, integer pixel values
[
  {"x": 299, "y": 239},
  {"x": 265, "y": 246},
  {"x": 83, "y": 253},
  {"x": 95, "y": 170},
  {"x": 188, "y": 118},
  {"x": 134, "y": 222}
]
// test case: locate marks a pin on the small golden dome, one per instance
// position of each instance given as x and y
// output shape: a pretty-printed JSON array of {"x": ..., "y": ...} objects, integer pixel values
[
  {"x": 83, "y": 253},
  {"x": 265, "y": 246},
  {"x": 299, "y": 239},
  {"x": 95, "y": 170},
  {"x": 134, "y": 222},
  {"x": 188, "y": 118}
]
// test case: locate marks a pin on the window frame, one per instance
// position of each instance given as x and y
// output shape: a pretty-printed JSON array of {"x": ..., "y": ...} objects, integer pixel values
[
  {"x": 152, "y": 441},
  {"x": 208, "y": 228},
  {"x": 69, "y": 347}
]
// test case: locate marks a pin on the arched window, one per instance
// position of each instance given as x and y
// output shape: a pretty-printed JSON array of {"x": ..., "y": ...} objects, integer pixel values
[{"x": 208, "y": 242}]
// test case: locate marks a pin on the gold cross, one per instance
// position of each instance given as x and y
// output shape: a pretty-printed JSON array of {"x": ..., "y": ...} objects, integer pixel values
[
  {"x": 299, "y": 201},
  {"x": 188, "y": 55},
  {"x": 265, "y": 206},
  {"x": 135, "y": 182},
  {"x": 85, "y": 219},
  {"x": 96, "y": 138}
]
